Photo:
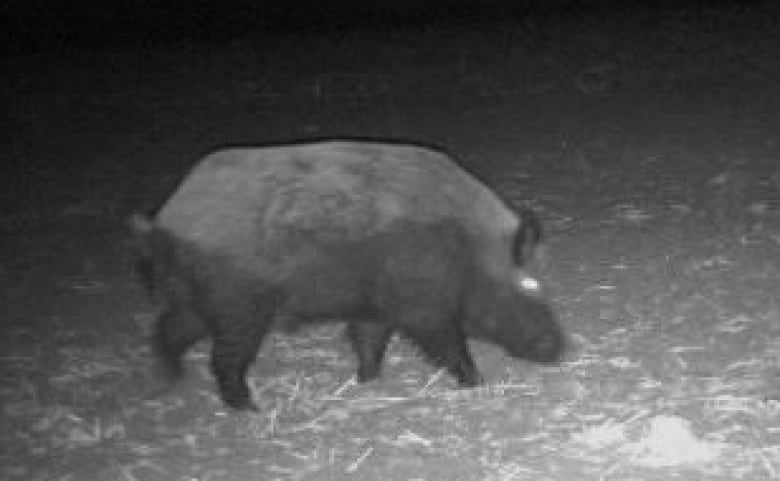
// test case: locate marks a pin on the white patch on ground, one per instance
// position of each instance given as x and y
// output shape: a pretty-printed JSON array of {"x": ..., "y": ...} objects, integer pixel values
[
  {"x": 669, "y": 441},
  {"x": 664, "y": 441}
]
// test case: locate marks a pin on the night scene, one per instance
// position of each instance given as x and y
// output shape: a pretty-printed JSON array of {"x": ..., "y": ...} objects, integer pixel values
[{"x": 390, "y": 240}]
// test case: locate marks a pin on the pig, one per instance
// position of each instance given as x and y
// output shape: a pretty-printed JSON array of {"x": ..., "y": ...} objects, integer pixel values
[{"x": 386, "y": 237}]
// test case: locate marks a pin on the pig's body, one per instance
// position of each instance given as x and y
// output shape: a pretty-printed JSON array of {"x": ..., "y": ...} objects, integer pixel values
[{"x": 388, "y": 237}]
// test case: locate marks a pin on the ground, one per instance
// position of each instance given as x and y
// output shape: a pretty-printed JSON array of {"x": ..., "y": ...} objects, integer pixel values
[{"x": 649, "y": 142}]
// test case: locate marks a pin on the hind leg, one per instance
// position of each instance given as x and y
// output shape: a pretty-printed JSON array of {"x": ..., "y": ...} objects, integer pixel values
[
  {"x": 369, "y": 341},
  {"x": 176, "y": 330},
  {"x": 240, "y": 321},
  {"x": 231, "y": 356}
]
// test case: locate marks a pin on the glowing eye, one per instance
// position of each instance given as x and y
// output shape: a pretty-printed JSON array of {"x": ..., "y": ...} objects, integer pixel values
[{"x": 526, "y": 283}]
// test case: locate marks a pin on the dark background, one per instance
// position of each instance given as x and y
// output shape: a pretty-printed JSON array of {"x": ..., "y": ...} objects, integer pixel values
[{"x": 42, "y": 24}]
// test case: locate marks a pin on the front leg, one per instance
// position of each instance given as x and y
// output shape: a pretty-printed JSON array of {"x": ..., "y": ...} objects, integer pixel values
[{"x": 369, "y": 341}]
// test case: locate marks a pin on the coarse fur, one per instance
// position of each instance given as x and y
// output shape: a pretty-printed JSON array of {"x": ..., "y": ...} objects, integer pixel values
[{"x": 387, "y": 237}]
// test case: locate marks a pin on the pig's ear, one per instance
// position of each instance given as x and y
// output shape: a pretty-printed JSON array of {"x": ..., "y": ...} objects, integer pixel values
[{"x": 527, "y": 237}]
